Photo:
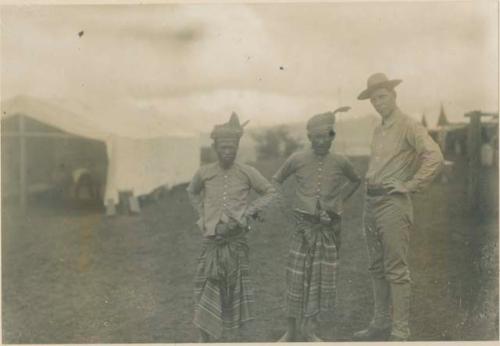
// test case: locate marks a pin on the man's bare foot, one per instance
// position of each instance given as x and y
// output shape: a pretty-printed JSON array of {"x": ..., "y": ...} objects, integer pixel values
[
  {"x": 312, "y": 337},
  {"x": 287, "y": 337},
  {"x": 204, "y": 337}
]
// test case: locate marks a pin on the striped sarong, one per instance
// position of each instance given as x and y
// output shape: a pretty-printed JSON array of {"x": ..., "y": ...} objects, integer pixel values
[
  {"x": 223, "y": 292},
  {"x": 311, "y": 268}
]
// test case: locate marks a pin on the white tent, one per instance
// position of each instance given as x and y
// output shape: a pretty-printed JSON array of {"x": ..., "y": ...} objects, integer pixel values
[{"x": 142, "y": 155}]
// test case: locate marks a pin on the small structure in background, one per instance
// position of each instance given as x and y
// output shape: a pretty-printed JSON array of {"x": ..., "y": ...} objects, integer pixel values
[
  {"x": 86, "y": 177},
  {"x": 472, "y": 145},
  {"x": 48, "y": 149},
  {"x": 482, "y": 148},
  {"x": 43, "y": 161},
  {"x": 451, "y": 137}
]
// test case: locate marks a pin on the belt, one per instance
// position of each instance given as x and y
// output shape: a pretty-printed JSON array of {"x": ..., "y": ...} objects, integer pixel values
[
  {"x": 230, "y": 233},
  {"x": 309, "y": 218},
  {"x": 315, "y": 218},
  {"x": 377, "y": 191}
]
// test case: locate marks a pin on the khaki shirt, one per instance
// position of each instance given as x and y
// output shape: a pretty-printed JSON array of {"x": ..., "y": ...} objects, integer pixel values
[
  {"x": 402, "y": 148},
  {"x": 219, "y": 194},
  {"x": 320, "y": 180}
]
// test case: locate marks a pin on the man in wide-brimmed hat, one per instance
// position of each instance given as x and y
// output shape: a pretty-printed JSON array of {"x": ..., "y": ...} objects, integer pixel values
[
  {"x": 219, "y": 193},
  {"x": 404, "y": 160},
  {"x": 322, "y": 178}
]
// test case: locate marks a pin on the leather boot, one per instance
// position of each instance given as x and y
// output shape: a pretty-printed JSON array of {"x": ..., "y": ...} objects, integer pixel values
[
  {"x": 380, "y": 326},
  {"x": 400, "y": 310},
  {"x": 382, "y": 300}
]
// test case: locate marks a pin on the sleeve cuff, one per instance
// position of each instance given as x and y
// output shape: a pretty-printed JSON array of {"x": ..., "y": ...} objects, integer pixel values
[{"x": 411, "y": 186}]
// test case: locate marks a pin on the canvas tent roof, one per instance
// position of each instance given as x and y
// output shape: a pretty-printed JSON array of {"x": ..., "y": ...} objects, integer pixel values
[
  {"x": 142, "y": 154},
  {"x": 52, "y": 115},
  {"x": 84, "y": 119}
]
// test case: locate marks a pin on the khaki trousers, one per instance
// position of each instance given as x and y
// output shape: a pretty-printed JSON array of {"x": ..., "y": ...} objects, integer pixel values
[{"x": 388, "y": 220}]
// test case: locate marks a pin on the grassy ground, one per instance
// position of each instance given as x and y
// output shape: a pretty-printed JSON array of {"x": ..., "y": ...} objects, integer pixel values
[{"x": 77, "y": 277}]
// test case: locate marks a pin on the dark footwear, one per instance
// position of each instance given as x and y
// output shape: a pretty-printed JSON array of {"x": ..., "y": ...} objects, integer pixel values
[
  {"x": 397, "y": 338},
  {"x": 372, "y": 334}
]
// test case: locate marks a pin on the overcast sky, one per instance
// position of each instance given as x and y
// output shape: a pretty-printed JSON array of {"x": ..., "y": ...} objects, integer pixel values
[{"x": 272, "y": 63}]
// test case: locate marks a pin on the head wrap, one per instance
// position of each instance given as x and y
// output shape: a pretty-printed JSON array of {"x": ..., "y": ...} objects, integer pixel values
[
  {"x": 321, "y": 123},
  {"x": 230, "y": 130}
]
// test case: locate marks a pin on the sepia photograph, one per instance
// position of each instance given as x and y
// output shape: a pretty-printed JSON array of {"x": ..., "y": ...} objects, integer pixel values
[{"x": 215, "y": 172}]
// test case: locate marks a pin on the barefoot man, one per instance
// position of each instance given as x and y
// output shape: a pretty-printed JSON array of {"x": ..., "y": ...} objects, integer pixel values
[
  {"x": 321, "y": 178},
  {"x": 219, "y": 193}
]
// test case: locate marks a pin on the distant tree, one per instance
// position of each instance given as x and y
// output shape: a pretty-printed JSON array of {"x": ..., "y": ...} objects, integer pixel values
[
  {"x": 274, "y": 143},
  {"x": 291, "y": 144},
  {"x": 268, "y": 144}
]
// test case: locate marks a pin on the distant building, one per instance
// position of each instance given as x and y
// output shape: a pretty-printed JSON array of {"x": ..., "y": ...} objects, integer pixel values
[{"x": 452, "y": 136}]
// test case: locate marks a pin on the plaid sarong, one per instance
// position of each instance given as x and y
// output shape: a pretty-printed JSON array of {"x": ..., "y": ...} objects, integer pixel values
[
  {"x": 223, "y": 292},
  {"x": 311, "y": 267}
]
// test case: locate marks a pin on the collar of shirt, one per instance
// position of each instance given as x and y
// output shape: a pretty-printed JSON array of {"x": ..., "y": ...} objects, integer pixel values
[
  {"x": 395, "y": 115},
  {"x": 221, "y": 169},
  {"x": 214, "y": 169},
  {"x": 319, "y": 157}
]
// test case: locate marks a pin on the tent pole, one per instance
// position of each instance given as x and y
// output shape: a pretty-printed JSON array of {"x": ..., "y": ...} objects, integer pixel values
[{"x": 22, "y": 165}]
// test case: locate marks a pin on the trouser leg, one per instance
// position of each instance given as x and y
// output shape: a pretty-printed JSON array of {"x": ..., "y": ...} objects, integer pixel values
[
  {"x": 395, "y": 223},
  {"x": 381, "y": 289}
]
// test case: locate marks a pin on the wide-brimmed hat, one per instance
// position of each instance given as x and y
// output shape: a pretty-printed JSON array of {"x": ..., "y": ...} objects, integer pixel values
[
  {"x": 377, "y": 81},
  {"x": 230, "y": 130}
]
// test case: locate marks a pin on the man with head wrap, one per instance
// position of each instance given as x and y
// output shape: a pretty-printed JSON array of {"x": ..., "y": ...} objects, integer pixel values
[
  {"x": 219, "y": 193},
  {"x": 321, "y": 178}
]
